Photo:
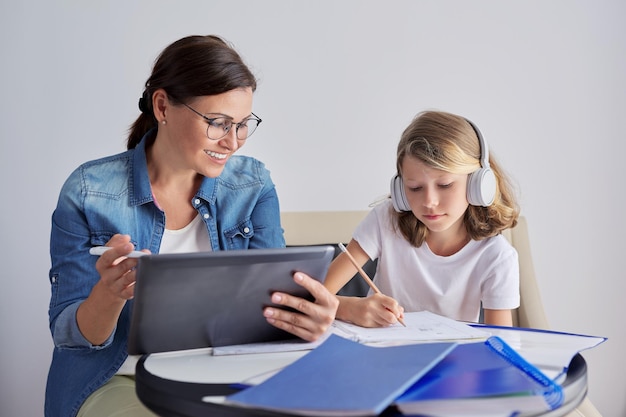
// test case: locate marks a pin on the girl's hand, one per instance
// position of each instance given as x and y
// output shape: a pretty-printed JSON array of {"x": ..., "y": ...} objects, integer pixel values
[{"x": 377, "y": 310}]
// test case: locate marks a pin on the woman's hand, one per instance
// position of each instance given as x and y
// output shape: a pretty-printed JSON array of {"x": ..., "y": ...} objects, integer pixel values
[
  {"x": 117, "y": 272},
  {"x": 377, "y": 310},
  {"x": 311, "y": 318},
  {"x": 97, "y": 315}
]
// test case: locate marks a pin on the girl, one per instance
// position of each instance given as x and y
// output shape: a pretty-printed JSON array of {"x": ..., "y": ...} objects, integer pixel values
[{"x": 437, "y": 239}]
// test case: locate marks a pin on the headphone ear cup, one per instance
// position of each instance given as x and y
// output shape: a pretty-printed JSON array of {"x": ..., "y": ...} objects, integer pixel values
[
  {"x": 481, "y": 187},
  {"x": 398, "y": 196}
]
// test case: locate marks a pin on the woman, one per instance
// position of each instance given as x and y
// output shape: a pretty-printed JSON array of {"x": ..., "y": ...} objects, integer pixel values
[{"x": 178, "y": 188}]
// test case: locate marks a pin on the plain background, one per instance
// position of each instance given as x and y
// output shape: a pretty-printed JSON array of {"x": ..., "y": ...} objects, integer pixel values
[{"x": 338, "y": 82}]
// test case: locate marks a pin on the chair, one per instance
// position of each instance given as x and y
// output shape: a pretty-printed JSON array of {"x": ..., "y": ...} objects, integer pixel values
[
  {"x": 320, "y": 227},
  {"x": 327, "y": 228},
  {"x": 530, "y": 312},
  {"x": 332, "y": 227}
]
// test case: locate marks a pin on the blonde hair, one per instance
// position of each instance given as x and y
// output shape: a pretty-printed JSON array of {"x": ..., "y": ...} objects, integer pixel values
[{"x": 448, "y": 142}]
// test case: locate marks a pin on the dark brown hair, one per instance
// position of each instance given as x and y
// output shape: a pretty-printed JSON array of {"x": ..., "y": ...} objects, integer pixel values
[{"x": 191, "y": 67}]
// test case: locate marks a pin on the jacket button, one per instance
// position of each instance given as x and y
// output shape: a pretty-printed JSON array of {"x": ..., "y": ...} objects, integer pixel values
[{"x": 246, "y": 230}]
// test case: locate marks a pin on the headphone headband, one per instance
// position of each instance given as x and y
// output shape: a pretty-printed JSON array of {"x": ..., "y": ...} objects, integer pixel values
[{"x": 484, "y": 149}]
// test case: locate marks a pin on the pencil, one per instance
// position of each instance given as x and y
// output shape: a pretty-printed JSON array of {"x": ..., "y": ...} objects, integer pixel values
[{"x": 364, "y": 275}]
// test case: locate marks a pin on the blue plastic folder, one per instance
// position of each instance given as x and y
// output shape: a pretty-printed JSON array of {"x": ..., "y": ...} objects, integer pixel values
[
  {"x": 479, "y": 377},
  {"x": 342, "y": 377}
]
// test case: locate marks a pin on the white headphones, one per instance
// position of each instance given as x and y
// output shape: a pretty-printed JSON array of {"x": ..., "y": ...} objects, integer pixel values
[{"x": 481, "y": 184}]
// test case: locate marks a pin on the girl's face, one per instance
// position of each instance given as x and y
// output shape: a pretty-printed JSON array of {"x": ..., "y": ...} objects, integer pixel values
[
  {"x": 437, "y": 198},
  {"x": 187, "y": 131}
]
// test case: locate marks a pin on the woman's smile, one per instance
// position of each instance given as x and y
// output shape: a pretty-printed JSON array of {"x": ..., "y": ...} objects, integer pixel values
[{"x": 216, "y": 155}]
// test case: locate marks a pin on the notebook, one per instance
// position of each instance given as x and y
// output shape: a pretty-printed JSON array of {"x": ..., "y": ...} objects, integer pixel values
[
  {"x": 343, "y": 378},
  {"x": 482, "y": 377},
  {"x": 207, "y": 299}
]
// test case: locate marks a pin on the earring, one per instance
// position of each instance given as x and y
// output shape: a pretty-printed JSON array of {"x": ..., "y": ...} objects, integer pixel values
[{"x": 163, "y": 122}]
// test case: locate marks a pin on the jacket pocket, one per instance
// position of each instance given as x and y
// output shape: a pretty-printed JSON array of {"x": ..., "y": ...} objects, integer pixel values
[{"x": 238, "y": 236}]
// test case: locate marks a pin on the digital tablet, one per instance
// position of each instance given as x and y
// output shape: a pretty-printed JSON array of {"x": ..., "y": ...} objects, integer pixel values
[{"x": 195, "y": 300}]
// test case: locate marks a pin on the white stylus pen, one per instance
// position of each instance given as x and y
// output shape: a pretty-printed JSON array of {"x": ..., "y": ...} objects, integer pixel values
[{"x": 99, "y": 250}]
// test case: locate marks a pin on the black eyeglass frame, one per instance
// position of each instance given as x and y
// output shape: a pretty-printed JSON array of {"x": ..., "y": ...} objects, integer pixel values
[{"x": 210, "y": 121}]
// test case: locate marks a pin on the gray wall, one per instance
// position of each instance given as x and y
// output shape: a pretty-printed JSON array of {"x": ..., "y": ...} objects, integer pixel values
[{"x": 339, "y": 80}]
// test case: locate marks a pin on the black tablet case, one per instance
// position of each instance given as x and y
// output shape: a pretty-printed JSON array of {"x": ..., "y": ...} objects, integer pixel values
[{"x": 197, "y": 300}]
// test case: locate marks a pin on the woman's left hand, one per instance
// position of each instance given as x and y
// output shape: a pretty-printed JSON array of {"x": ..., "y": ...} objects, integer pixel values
[{"x": 311, "y": 318}]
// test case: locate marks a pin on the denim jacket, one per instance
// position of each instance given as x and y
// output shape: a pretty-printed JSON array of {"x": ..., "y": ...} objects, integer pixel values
[{"x": 113, "y": 195}]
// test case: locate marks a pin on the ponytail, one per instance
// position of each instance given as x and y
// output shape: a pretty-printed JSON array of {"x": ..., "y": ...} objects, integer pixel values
[{"x": 144, "y": 123}]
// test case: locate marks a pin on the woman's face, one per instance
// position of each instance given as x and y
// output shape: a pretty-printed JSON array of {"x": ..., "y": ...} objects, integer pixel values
[
  {"x": 186, "y": 131},
  {"x": 437, "y": 198}
]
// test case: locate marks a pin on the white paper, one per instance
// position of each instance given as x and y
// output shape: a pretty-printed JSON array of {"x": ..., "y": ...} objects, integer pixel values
[
  {"x": 549, "y": 351},
  {"x": 421, "y": 326},
  {"x": 269, "y": 347}
]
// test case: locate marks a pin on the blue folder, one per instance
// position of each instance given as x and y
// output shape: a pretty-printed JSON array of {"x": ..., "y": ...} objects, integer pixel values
[{"x": 342, "y": 377}]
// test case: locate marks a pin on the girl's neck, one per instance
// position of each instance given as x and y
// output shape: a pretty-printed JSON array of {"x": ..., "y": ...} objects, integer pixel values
[{"x": 448, "y": 242}]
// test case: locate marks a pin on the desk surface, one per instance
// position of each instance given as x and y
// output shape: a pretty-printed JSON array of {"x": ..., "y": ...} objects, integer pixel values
[{"x": 180, "y": 384}]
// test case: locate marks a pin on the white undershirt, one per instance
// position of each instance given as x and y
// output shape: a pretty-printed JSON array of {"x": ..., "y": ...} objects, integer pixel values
[{"x": 192, "y": 238}]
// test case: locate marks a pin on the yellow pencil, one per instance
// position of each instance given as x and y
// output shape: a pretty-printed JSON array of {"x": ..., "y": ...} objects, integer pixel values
[{"x": 364, "y": 275}]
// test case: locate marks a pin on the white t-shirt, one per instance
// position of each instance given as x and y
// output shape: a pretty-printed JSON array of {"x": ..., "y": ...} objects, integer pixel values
[{"x": 454, "y": 286}]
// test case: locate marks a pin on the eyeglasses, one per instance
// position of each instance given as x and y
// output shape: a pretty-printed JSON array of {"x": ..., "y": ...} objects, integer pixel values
[{"x": 218, "y": 127}]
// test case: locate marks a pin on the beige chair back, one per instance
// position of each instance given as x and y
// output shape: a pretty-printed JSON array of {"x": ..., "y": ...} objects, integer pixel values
[
  {"x": 530, "y": 312},
  {"x": 320, "y": 227}
]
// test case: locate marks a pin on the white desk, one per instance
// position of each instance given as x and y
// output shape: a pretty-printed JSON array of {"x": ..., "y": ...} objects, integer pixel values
[{"x": 177, "y": 384}]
